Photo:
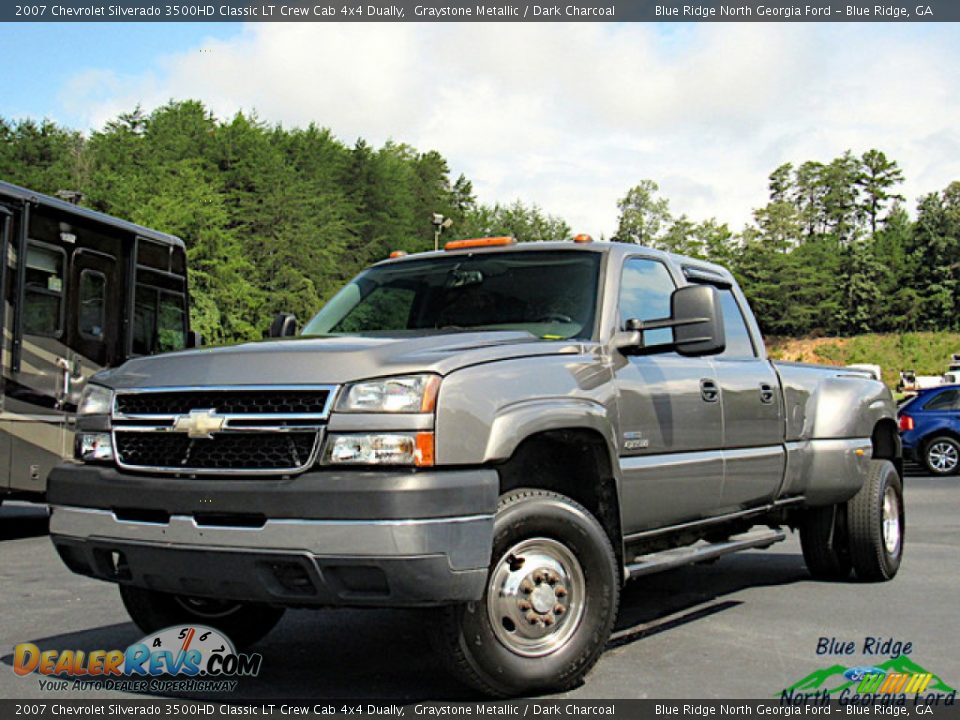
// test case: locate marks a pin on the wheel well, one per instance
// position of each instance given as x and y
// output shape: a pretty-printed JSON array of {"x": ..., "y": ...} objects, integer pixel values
[
  {"x": 886, "y": 443},
  {"x": 940, "y": 432},
  {"x": 573, "y": 462}
]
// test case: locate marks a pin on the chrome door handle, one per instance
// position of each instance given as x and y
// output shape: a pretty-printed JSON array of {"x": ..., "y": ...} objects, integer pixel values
[
  {"x": 709, "y": 391},
  {"x": 766, "y": 394},
  {"x": 64, "y": 365}
]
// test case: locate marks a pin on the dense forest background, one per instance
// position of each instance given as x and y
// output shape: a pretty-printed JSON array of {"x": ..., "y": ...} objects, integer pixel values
[{"x": 277, "y": 219}]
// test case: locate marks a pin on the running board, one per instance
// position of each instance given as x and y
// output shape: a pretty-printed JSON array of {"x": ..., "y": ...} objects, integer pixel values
[{"x": 668, "y": 559}]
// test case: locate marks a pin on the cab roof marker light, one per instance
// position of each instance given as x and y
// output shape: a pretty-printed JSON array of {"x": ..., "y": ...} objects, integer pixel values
[
  {"x": 582, "y": 238},
  {"x": 398, "y": 254},
  {"x": 478, "y": 242}
]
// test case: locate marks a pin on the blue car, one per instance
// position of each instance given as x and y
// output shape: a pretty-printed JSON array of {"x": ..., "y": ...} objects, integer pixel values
[{"x": 930, "y": 429}]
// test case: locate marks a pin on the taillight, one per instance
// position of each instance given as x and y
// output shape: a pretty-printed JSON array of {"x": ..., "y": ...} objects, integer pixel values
[{"x": 906, "y": 423}]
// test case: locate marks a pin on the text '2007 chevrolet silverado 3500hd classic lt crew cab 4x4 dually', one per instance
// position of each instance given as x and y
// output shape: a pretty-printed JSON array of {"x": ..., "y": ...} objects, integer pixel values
[{"x": 503, "y": 432}]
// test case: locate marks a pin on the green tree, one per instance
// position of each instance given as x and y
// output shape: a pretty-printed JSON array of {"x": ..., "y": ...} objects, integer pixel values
[
  {"x": 877, "y": 177},
  {"x": 643, "y": 214},
  {"x": 526, "y": 223}
]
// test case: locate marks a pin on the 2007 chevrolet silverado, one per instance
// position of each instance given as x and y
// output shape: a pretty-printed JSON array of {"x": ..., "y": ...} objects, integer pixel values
[{"x": 508, "y": 431}]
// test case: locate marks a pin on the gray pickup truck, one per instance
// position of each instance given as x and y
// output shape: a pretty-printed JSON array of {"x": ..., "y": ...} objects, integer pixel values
[{"x": 504, "y": 433}]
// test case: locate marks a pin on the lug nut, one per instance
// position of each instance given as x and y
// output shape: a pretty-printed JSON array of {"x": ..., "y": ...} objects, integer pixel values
[
  {"x": 524, "y": 606},
  {"x": 559, "y": 609},
  {"x": 548, "y": 619},
  {"x": 560, "y": 591},
  {"x": 532, "y": 618},
  {"x": 538, "y": 577},
  {"x": 526, "y": 588},
  {"x": 553, "y": 579}
]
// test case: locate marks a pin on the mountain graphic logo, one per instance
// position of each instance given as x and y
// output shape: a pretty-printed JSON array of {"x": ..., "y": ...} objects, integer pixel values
[{"x": 837, "y": 678}]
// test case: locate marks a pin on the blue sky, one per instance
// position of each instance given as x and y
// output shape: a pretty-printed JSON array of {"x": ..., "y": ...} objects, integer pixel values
[
  {"x": 568, "y": 116},
  {"x": 37, "y": 58}
]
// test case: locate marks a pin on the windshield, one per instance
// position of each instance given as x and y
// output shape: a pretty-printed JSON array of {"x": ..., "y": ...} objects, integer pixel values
[{"x": 552, "y": 295}]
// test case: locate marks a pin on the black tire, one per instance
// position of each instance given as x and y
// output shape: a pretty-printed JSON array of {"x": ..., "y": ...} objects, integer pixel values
[
  {"x": 823, "y": 537},
  {"x": 243, "y": 623},
  {"x": 466, "y": 636},
  {"x": 874, "y": 558},
  {"x": 941, "y": 455}
]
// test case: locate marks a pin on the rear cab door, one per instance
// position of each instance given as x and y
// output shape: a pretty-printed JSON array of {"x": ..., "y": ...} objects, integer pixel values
[{"x": 753, "y": 415}]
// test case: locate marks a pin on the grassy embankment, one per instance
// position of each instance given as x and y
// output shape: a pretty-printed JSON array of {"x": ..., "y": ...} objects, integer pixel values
[{"x": 926, "y": 352}]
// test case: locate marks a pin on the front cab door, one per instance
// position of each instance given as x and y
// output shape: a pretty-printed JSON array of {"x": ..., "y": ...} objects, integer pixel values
[{"x": 671, "y": 415}]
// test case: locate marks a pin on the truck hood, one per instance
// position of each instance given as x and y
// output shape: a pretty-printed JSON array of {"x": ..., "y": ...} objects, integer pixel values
[{"x": 329, "y": 360}]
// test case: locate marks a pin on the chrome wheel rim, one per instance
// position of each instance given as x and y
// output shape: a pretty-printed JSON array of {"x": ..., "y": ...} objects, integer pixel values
[
  {"x": 943, "y": 456},
  {"x": 891, "y": 522},
  {"x": 536, "y": 597},
  {"x": 207, "y": 608}
]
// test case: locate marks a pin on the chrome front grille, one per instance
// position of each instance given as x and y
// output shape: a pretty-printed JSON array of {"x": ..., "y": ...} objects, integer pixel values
[
  {"x": 309, "y": 401},
  {"x": 252, "y": 430}
]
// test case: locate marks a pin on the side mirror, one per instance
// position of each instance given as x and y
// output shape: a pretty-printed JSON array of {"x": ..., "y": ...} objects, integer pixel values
[
  {"x": 283, "y": 325},
  {"x": 194, "y": 339},
  {"x": 696, "y": 321}
]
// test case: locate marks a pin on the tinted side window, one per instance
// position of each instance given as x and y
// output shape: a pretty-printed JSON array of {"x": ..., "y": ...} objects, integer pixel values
[
  {"x": 645, "y": 290},
  {"x": 384, "y": 309},
  {"x": 43, "y": 292},
  {"x": 949, "y": 400},
  {"x": 739, "y": 344},
  {"x": 170, "y": 323},
  {"x": 92, "y": 310},
  {"x": 158, "y": 321}
]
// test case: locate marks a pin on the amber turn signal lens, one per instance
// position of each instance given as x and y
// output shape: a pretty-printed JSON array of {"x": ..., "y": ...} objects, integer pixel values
[
  {"x": 423, "y": 456},
  {"x": 429, "y": 402}
]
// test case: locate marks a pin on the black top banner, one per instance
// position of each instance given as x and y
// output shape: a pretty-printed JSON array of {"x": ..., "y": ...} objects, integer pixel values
[{"x": 489, "y": 11}]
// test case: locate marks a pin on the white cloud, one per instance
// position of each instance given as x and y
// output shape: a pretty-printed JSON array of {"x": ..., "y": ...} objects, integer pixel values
[{"x": 571, "y": 115}]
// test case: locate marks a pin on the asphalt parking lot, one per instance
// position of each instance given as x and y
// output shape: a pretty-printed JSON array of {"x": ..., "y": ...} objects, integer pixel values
[{"x": 744, "y": 627}]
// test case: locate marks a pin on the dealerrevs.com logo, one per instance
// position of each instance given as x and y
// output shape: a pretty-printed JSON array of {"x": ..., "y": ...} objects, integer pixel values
[{"x": 179, "y": 658}]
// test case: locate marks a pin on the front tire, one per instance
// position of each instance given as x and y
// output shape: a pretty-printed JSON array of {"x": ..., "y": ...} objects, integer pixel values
[
  {"x": 551, "y": 600},
  {"x": 941, "y": 455},
  {"x": 875, "y": 524},
  {"x": 243, "y": 623}
]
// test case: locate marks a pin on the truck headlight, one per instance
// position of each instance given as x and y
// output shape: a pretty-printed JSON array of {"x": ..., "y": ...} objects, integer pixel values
[
  {"x": 95, "y": 400},
  {"x": 94, "y": 447},
  {"x": 406, "y": 394},
  {"x": 380, "y": 449}
]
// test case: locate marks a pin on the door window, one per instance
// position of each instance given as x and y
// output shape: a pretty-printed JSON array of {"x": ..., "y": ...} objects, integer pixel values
[
  {"x": 170, "y": 323},
  {"x": 645, "y": 290},
  {"x": 43, "y": 290},
  {"x": 158, "y": 321},
  {"x": 739, "y": 344},
  {"x": 949, "y": 400},
  {"x": 93, "y": 309}
]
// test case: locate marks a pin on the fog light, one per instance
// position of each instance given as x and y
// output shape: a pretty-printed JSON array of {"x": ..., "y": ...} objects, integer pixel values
[{"x": 94, "y": 447}]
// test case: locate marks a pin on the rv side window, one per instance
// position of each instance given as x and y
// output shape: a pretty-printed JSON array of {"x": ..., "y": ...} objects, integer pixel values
[
  {"x": 43, "y": 290},
  {"x": 92, "y": 310},
  {"x": 170, "y": 323},
  {"x": 158, "y": 323}
]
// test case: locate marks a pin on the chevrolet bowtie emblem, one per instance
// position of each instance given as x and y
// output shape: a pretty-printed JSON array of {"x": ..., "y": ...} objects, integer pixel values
[{"x": 200, "y": 423}]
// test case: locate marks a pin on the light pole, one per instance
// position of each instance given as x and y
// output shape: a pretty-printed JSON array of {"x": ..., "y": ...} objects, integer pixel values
[{"x": 440, "y": 223}]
